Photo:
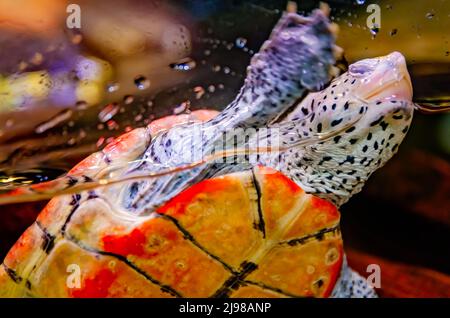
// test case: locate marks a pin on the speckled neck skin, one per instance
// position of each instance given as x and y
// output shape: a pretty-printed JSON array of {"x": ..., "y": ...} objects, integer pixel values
[{"x": 380, "y": 90}]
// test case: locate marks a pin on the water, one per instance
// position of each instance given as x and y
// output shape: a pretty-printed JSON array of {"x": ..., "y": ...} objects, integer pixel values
[
  {"x": 175, "y": 45},
  {"x": 179, "y": 77}
]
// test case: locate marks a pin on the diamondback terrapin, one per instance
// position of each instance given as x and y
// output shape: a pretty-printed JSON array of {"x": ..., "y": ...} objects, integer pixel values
[{"x": 242, "y": 229}]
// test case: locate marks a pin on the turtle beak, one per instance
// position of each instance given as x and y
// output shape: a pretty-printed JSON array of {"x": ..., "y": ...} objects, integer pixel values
[{"x": 390, "y": 80}]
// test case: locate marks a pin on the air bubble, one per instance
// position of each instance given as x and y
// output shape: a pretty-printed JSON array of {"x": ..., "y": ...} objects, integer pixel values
[
  {"x": 360, "y": 2},
  {"x": 108, "y": 112},
  {"x": 138, "y": 118},
  {"x": 100, "y": 142},
  {"x": 181, "y": 108},
  {"x": 128, "y": 99},
  {"x": 141, "y": 82},
  {"x": 240, "y": 42},
  {"x": 112, "y": 87},
  {"x": 199, "y": 92},
  {"x": 112, "y": 125},
  {"x": 374, "y": 30},
  {"x": 81, "y": 105},
  {"x": 82, "y": 134},
  {"x": 56, "y": 120},
  {"x": 186, "y": 64}
]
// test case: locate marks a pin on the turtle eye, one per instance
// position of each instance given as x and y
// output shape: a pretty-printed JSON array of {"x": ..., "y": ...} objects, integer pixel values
[{"x": 362, "y": 68}]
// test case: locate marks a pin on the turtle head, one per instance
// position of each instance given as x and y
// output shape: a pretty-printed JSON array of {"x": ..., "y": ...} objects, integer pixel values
[
  {"x": 380, "y": 79},
  {"x": 376, "y": 94}
]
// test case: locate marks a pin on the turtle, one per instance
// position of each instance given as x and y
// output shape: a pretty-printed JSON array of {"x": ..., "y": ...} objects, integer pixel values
[{"x": 268, "y": 228}]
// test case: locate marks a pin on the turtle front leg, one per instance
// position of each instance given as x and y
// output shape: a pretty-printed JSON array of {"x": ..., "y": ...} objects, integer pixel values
[
  {"x": 298, "y": 57},
  {"x": 352, "y": 285}
]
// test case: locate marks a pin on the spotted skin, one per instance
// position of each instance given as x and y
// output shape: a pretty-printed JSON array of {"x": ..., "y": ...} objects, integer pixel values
[
  {"x": 377, "y": 90},
  {"x": 352, "y": 285},
  {"x": 380, "y": 90}
]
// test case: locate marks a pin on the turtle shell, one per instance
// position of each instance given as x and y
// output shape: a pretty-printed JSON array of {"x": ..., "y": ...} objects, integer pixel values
[{"x": 253, "y": 233}]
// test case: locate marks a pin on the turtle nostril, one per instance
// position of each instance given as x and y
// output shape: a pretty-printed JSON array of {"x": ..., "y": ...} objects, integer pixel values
[{"x": 360, "y": 69}]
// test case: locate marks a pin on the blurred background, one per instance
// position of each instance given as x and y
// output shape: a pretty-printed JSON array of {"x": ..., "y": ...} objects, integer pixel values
[{"x": 66, "y": 92}]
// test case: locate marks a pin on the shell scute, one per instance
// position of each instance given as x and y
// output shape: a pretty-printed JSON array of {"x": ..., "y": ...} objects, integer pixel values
[
  {"x": 7, "y": 283},
  {"x": 280, "y": 199},
  {"x": 26, "y": 249},
  {"x": 55, "y": 214},
  {"x": 159, "y": 248},
  {"x": 317, "y": 215},
  {"x": 289, "y": 268},
  {"x": 99, "y": 275},
  {"x": 221, "y": 215}
]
